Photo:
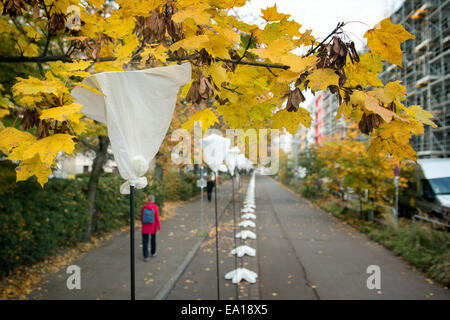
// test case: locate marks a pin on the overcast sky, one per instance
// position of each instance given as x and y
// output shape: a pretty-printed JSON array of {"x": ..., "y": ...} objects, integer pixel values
[{"x": 322, "y": 16}]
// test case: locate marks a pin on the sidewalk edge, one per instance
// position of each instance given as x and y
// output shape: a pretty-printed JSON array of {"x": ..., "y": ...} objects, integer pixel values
[{"x": 164, "y": 292}]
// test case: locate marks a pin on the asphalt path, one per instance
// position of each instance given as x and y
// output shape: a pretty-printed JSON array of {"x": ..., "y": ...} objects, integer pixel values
[{"x": 303, "y": 252}]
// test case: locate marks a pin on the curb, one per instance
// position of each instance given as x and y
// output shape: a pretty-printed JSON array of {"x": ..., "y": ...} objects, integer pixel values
[{"x": 164, "y": 292}]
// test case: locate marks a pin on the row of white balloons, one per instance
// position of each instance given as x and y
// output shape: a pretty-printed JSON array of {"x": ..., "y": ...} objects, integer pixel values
[
  {"x": 240, "y": 274},
  {"x": 216, "y": 151},
  {"x": 218, "y": 155}
]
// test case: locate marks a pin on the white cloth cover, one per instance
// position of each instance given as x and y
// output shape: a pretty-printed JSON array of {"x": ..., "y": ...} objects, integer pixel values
[
  {"x": 223, "y": 168},
  {"x": 240, "y": 274},
  {"x": 246, "y": 234},
  {"x": 231, "y": 159},
  {"x": 247, "y": 223},
  {"x": 243, "y": 250},
  {"x": 137, "y": 108},
  {"x": 247, "y": 210},
  {"x": 241, "y": 162},
  {"x": 214, "y": 151},
  {"x": 248, "y": 216}
]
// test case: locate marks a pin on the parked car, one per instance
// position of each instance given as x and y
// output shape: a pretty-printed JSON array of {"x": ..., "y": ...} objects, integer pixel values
[{"x": 428, "y": 189}]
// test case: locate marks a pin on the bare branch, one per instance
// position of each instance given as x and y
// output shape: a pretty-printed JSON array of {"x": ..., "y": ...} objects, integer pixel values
[
  {"x": 268, "y": 68},
  {"x": 232, "y": 90},
  {"x": 339, "y": 25}
]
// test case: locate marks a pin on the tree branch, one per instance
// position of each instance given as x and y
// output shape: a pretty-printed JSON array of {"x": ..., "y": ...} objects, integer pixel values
[
  {"x": 43, "y": 59},
  {"x": 232, "y": 90},
  {"x": 270, "y": 70},
  {"x": 47, "y": 42},
  {"x": 339, "y": 25},
  {"x": 89, "y": 145},
  {"x": 246, "y": 49}
]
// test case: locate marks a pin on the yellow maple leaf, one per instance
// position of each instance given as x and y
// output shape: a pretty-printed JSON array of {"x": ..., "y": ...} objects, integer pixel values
[
  {"x": 235, "y": 115},
  {"x": 371, "y": 104},
  {"x": 67, "y": 69},
  {"x": 299, "y": 64},
  {"x": 226, "y": 4},
  {"x": 217, "y": 45},
  {"x": 275, "y": 50},
  {"x": 271, "y": 14},
  {"x": 3, "y": 113},
  {"x": 48, "y": 148},
  {"x": 34, "y": 86},
  {"x": 26, "y": 48},
  {"x": 228, "y": 33},
  {"x": 393, "y": 138},
  {"x": 79, "y": 127},
  {"x": 364, "y": 72},
  {"x": 385, "y": 38},
  {"x": 5, "y": 102},
  {"x": 393, "y": 91},
  {"x": 157, "y": 52},
  {"x": 33, "y": 167},
  {"x": 88, "y": 87},
  {"x": 118, "y": 26},
  {"x": 287, "y": 76},
  {"x": 423, "y": 116},
  {"x": 189, "y": 43},
  {"x": 320, "y": 79},
  {"x": 11, "y": 138},
  {"x": 344, "y": 109},
  {"x": 291, "y": 120},
  {"x": 70, "y": 112},
  {"x": 218, "y": 73},
  {"x": 196, "y": 12},
  {"x": 206, "y": 117},
  {"x": 123, "y": 52}
]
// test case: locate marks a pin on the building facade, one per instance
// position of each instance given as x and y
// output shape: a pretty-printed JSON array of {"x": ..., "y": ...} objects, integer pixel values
[
  {"x": 323, "y": 109},
  {"x": 426, "y": 62}
]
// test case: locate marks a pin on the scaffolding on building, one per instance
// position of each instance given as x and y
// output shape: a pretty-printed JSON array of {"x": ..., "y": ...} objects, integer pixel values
[{"x": 426, "y": 61}]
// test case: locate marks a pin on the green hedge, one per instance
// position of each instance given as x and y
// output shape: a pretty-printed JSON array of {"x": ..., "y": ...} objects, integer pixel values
[
  {"x": 176, "y": 190},
  {"x": 36, "y": 222}
]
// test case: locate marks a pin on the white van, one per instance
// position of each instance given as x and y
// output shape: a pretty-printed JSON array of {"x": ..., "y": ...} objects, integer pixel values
[{"x": 428, "y": 189}]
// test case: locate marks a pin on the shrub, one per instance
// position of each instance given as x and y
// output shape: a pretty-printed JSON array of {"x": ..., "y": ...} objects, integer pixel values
[{"x": 36, "y": 222}]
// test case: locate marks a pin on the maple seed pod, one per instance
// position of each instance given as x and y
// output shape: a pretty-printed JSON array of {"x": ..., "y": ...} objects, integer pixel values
[
  {"x": 14, "y": 7},
  {"x": 369, "y": 122},
  {"x": 193, "y": 94},
  {"x": 56, "y": 22},
  {"x": 294, "y": 99}
]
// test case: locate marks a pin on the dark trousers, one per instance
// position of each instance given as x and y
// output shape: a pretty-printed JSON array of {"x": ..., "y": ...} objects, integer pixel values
[
  {"x": 145, "y": 237},
  {"x": 209, "y": 189}
]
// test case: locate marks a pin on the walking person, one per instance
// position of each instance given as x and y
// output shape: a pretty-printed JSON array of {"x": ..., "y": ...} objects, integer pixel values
[
  {"x": 150, "y": 225},
  {"x": 210, "y": 185}
]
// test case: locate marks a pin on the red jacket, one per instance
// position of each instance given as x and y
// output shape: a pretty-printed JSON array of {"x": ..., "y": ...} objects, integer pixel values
[{"x": 151, "y": 228}]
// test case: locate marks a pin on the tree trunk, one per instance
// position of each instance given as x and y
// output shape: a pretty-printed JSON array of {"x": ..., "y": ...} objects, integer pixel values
[
  {"x": 97, "y": 167},
  {"x": 159, "y": 172},
  {"x": 181, "y": 171}
]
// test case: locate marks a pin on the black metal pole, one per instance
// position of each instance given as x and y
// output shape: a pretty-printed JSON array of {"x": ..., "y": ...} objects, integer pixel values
[
  {"x": 234, "y": 234},
  {"x": 217, "y": 237},
  {"x": 133, "y": 293}
]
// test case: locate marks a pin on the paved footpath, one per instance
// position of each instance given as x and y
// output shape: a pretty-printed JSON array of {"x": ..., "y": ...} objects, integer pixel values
[
  {"x": 302, "y": 253},
  {"x": 105, "y": 271}
]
